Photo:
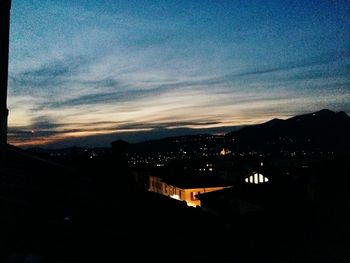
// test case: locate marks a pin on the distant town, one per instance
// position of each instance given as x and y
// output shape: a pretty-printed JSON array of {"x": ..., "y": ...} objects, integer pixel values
[
  {"x": 206, "y": 163},
  {"x": 245, "y": 186}
]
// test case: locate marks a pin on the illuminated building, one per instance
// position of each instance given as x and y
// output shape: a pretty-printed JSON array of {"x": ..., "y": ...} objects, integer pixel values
[{"x": 185, "y": 189}]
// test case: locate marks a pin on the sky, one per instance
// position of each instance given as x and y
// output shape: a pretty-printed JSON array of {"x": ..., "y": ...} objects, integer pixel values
[{"x": 92, "y": 71}]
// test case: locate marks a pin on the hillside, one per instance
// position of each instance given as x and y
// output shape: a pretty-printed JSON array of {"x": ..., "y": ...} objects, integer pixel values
[{"x": 324, "y": 130}]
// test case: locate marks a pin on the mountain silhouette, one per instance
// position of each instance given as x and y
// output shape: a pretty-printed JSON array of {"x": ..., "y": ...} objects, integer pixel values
[
  {"x": 324, "y": 130},
  {"x": 321, "y": 131}
]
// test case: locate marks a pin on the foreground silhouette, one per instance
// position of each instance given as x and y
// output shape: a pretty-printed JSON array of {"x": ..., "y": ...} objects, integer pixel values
[{"x": 98, "y": 209}]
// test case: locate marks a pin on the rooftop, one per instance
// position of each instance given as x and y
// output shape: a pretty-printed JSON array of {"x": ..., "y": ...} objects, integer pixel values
[{"x": 190, "y": 182}]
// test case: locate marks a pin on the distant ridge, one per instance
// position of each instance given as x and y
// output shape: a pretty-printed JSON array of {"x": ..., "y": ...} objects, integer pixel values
[{"x": 324, "y": 130}]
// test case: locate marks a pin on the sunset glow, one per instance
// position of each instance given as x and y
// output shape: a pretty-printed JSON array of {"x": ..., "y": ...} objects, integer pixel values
[{"x": 86, "y": 69}]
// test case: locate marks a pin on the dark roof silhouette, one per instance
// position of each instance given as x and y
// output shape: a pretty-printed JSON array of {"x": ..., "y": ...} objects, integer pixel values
[
  {"x": 22, "y": 162},
  {"x": 189, "y": 182},
  {"x": 119, "y": 143}
]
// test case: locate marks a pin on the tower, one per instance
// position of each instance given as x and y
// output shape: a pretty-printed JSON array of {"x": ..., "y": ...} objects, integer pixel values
[{"x": 5, "y": 6}]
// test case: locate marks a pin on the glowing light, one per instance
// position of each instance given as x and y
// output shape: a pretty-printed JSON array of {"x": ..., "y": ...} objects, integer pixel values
[
  {"x": 224, "y": 152},
  {"x": 187, "y": 194},
  {"x": 177, "y": 197},
  {"x": 256, "y": 178}
]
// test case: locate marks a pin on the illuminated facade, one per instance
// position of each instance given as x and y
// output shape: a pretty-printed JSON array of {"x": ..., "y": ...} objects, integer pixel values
[{"x": 187, "y": 194}]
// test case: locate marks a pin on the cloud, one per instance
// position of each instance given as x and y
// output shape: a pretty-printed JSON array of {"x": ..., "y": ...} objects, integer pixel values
[
  {"x": 45, "y": 131},
  {"x": 91, "y": 69},
  {"x": 107, "y": 82},
  {"x": 310, "y": 62},
  {"x": 193, "y": 103},
  {"x": 56, "y": 73}
]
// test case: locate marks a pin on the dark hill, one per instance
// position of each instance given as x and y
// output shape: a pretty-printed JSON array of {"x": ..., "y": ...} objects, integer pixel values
[
  {"x": 324, "y": 130},
  {"x": 189, "y": 144}
]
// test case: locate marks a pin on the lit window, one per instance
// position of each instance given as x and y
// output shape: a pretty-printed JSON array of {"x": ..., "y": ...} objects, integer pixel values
[
  {"x": 256, "y": 178},
  {"x": 193, "y": 196},
  {"x": 261, "y": 178}
]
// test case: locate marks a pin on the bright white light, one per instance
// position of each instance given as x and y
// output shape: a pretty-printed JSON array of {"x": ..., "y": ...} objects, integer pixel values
[
  {"x": 177, "y": 197},
  {"x": 261, "y": 178},
  {"x": 256, "y": 178}
]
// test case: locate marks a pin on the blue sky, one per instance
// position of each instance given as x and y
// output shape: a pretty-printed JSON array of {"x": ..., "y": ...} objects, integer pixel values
[{"x": 89, "y": 68}]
